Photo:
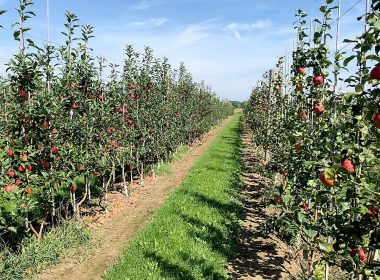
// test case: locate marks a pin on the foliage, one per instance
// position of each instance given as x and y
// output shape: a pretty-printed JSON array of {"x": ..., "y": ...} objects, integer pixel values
[
  {"x": 324, "y": 148},
  {"x": 62, "y": 121}
]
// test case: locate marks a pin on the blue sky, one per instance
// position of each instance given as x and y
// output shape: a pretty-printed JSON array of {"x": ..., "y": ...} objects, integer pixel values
[{"x": 227, "y": 43}]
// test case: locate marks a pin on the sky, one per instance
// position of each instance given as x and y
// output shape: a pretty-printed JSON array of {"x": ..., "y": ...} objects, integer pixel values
[{"x": 228, "y": 44}]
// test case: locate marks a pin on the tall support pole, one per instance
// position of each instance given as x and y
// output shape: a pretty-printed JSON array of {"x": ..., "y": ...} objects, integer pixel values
[
  {"x": 269, "y": 94},
  {"x": 48, "y": 44}
]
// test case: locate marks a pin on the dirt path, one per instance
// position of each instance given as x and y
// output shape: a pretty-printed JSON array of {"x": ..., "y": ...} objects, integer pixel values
[
  {"x": 114, "y": 233},
  {"x": 258, "y": 257}
]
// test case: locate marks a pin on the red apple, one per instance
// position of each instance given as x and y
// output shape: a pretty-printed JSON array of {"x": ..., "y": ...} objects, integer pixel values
[
  {"x": 18, "y": 182},
  {"x": 109, "y": 131},
  {"x": 360, "y": 253},
  {"x": 54, "y": 150},
  {"x": 21, "y": 168},
  {"x": 348, "y": 165},
  {"x": 277, "y": 200},
  {"x": 326, "y": 180},
  {"x": 319, "y": 108},
  {"x": 44, "y": 124},
  {"x": 23, "y": 157},
  {"x": 101, "y": 97},
  {"x": 28, "y": 191},
  {"x": 303, "y": 115},
  {"x": 375, "y": 73},
  {"x": 11, "y": 173},
  {"x": 376, "y": 120},
  {"x": 301, "y": 70},
  {"x": 22, "y": 92},
  {"x": 28, "y": 167},
  {"x": 132, "y": 86},
  {"x": 10, "y": 153},
  {"x": 74, "y": 106},
  {"x": 45, "y": 164},
  {"x": 73, "y": 188},
  {"x": 373, "y": 210},
  {"x": 306, "y": 207},
  {"x": 54, "y": 131},
  {"x": 298, "y": 146},
  {"x": 318, "y": 80},
  {"x": 9, "y": 188}
]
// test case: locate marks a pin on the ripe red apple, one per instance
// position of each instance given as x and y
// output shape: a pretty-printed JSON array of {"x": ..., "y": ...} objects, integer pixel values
[
  {"x": 21, "y": 168},
  {"x": 348, "y": 165},
  {"x": 82, "y": 168},
  {"x": 277, "y": 200},
  {"x": 18, "y": 182},
  {"x": 11, "y": 173},
  {"x": 54, "y": 131},
  {"x": 74, "y": 106},
  {"x": 375, "y": 73},
  {"x": 326, "y": 180},
  {"x": 28, "y": 167},
  {"x": 44, "y": 124},
  {"x": 299, "y": 87},
  {"x": 373, "y": 210},
  {"x": 301, "y": 70},
  {"x": 73, "y": 188},
  {"x": 9, "y": 188},
  {"x": 318, "y": 80},
  {"x": 54, "y": 150},
  {"x": 303, "y": 115},
  {"x": 360, "y": 253},
  {"x": 319, "y": 108},
  {"x": 28, "y": 191},
  {"x": 306, "y": 207},
  {"x": 376, "y": 120},
  {"x": 101, "y": 97},
  {"x": 23, "y": 157},
  {"x": 298, "y": 146},
  {"x": 109, "y": 131},
  {"x": 45, "y": 164},
  {"x": 10, "y": 153},
  {"x": 22, "y": 92},
  {"x": 132, "y": 86}
]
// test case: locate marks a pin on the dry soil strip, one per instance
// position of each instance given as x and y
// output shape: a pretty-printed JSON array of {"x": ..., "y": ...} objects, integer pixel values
[
  {"x": 115, "y": 233},
  {"x": 258, "y": 257}
]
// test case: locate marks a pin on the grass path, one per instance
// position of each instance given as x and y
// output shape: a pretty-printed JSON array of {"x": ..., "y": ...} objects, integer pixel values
[{"x": 192, "y": 235}]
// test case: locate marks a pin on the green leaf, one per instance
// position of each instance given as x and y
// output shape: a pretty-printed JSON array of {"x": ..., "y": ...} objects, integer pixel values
[
  {"x": 325, "y": 246},
  {"x": 348, "y": 60},
  {"x": 311, "y": 233}
]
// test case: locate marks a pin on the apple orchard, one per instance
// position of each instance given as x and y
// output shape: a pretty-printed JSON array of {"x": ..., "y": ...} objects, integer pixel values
[
  {"x": 69, "y": 133},
  {"x": 322, "y": 145}
]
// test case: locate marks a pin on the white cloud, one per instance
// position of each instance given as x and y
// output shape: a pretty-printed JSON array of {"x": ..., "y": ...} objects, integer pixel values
[
  {"x": 144, "y": 5},
  {"x": 151, "y": 22},
  {"x": 236, "y": 28},
  {"x": 260, "y": 24}
]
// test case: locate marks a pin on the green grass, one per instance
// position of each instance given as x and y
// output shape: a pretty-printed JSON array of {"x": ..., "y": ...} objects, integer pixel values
[
  {"x": 69, "y": 238},
  {"x": 165, "y": 168},
  {"x": 192, "y": 235}
]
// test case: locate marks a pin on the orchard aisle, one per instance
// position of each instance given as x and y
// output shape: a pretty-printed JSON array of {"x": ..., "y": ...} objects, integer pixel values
[
  {"x": 110, "y": 239},
  {"x": 258, "y": 257}
]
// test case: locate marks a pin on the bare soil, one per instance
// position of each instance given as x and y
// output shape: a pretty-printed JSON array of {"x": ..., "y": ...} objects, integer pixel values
[
  {"x": 258, "y": 257},
  {"x": 126, "y": 218}
]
